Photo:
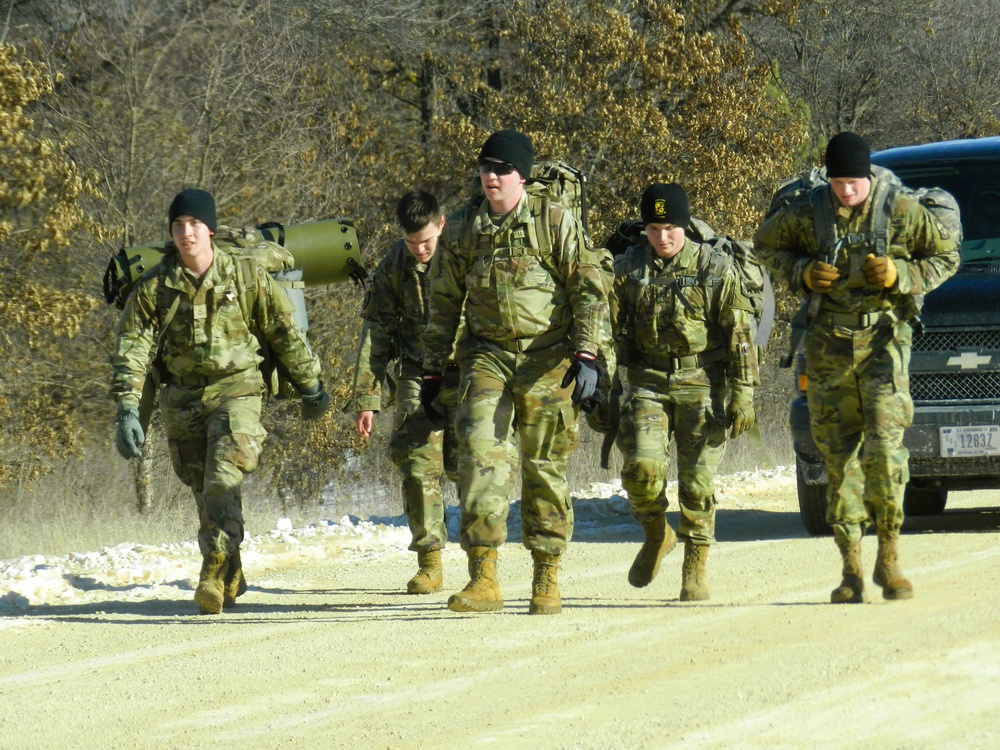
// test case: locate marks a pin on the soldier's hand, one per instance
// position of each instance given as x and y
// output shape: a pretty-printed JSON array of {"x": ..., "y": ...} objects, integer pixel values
[
  {"x": 819, "y": 276},
  {"x": 363, "y": 420},
  {"x": 740, "y": 415},
  {"x": 315, "y": 402},
  {"x": 129, "y": 437},
  {"x": 880, "y": 271},
  {"x": 583, "y": 373},
  {"x": 430, "y": 389}
]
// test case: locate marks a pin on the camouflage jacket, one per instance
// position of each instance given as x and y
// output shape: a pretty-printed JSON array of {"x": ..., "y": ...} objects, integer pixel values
[
  {"x": 520, "y": 291},
  {"x": 922, "y": 249},
  {"x": 208, "y": 335},
  {"x": 395, "y": 315},
  {"x": 691, "y": 304}
]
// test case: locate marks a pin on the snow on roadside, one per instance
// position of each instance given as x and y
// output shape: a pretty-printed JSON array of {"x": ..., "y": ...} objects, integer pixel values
[{"x": 130, "y": 571}]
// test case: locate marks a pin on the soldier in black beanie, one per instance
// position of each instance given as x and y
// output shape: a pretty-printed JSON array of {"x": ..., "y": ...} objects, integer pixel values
[
  {"x": 686, "y": 344},
  {"x": 519, "y": 270},
  {"x": 825, "y": 244},
  {"x": 194, "y": 202}
]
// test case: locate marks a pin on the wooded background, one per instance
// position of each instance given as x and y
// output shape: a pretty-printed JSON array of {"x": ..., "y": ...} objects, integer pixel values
[{"x": 295, "y": 110}]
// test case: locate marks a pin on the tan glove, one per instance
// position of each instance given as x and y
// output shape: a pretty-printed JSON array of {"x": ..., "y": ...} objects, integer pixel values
[
  {"x": 880, "y": 271},
  {"x": 740, "y": 414},
  {"x": 819, "y": 276}
]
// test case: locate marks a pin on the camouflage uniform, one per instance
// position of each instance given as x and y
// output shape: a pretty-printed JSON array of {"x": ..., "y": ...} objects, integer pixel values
[
  {"x": 684, "y": 336},
  {"x": 212, "y": 389},
  {"x": 857, "y": 349},
  {"x": 396, "y": 310},
  {"x": 530, "y": 303}
]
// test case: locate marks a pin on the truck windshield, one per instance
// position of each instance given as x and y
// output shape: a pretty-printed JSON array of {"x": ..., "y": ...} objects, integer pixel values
[{"x": 976, "y": 187}]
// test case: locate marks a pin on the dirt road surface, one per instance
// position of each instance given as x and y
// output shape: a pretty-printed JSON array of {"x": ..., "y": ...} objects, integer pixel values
[{"x": 326, "y": 652}]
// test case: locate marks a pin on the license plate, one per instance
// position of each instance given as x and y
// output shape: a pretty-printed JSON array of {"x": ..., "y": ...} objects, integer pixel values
[{"x": 976, "y": 440}]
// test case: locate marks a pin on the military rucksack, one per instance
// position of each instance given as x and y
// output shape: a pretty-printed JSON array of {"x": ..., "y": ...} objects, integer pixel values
[
  {"x": 249, "y": 248},
  {"x": 809, "y": 186},
  {"x": 754, "y": 279},
  {"x": 941, "y": 204}
]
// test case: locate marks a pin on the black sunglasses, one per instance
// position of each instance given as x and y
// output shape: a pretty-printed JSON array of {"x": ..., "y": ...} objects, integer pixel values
[{"x": 499, "y": 168}]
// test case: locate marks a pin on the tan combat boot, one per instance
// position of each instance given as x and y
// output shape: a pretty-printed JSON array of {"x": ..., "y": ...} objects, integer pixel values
[
  {"x": 852, "y": 586},
  {"x": 482, "y": 592},
  {"x": 694, "y": 579},
  {"x": 545, "y": 597},
  {"x": 209, "y": 594},
  {"x": 887, "y": 573},
  {"x": 660, "y": 539},
  {"x": 429, "y": 577},
  {"x": 234, "y": 584}
]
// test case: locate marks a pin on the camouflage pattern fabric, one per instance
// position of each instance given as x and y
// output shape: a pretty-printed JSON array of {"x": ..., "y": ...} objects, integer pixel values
[
  {"x": 859, "y": 402},
  {"x": 685, "y": 343},
  {"x": 396, "y": 309},
  {"x": 530, "y": 302},
  {"x": 518, "y": 290},
  {"x": 924, "y": 251},
  {"x": 208, "y": 336},
  {"x": 211, "y": 399},
  {"x": 214, "y": 439},
  {"x": 425, "y": 453},
  {"x": 500, "y": 392}
]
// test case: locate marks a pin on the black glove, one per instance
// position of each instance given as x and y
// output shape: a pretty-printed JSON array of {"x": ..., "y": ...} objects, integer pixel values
[
  {"x": 584, "y": 372},
  {"x": 315, "y": 402},
  {"x": 129, "y": 436},
  {"x": 430, "y": 389}
]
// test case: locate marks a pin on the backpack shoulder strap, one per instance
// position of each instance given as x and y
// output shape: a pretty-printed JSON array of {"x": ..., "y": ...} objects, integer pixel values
[
  {"x": 883, "y": 204},
  {"x": 246, "y": 289},
  {"x": 823, "y": 223}
]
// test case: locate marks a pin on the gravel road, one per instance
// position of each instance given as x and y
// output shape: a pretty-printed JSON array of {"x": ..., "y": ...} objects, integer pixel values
[{"x": 325, "y": 650}]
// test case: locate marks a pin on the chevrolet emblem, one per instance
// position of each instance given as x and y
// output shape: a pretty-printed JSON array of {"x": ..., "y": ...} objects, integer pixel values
[{"x": 968, "y": 360}]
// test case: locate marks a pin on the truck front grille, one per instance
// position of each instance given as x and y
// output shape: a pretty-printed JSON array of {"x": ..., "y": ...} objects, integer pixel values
[
  {"x": 946, "y": 341},
  {"x": 955, "y": 386}
]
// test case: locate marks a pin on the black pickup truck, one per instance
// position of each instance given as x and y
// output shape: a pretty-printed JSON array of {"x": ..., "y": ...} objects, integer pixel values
[{"x": 954, "y": 441}]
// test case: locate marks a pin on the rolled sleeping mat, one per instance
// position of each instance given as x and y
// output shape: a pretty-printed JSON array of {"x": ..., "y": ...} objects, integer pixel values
[{"x": 326, "y": 251}]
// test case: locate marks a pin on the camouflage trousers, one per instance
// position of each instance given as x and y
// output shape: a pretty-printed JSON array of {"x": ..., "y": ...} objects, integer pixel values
[
  {"x": 657, "y": 406},
  {"x": 859, "y": 408},
  {"x": 503, "y": 392},
  {"x": 424, "y": 453},
  {"x": 215, "y": 440}
]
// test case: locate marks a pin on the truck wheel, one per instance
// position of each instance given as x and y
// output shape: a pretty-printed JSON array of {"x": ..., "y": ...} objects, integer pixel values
[
  {"x": 812, "y": 505},
  {"x": 922, "y": 501}
]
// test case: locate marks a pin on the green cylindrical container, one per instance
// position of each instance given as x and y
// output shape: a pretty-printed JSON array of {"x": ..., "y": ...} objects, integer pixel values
[
  {"x": 327, "y": 251},
  {"x": 125, "y": 268}
]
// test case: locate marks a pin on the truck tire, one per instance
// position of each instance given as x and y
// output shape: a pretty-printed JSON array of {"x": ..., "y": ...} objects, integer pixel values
[
  {"x": 924, "y": 501},
  {"x": 812, "y": 505}
]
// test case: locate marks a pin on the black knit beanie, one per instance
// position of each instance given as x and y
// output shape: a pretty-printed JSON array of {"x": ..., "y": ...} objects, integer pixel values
[
  {"x": 512, "y": 147},
  {"x": 193, "y": 202},
  {"x": 665, "y": 204},
  {"x": 848, "y": 155}
]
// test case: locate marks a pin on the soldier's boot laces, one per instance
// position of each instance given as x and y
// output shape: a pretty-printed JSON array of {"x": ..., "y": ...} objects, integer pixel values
[
  {"x": 545, "y": 596},
  {"x": 430, "y": 576},
  {"x": 234, "y": 584},
  {"x": 660, "y": 539},
  {"x": 887, "y": 573},
  {"x": 209, "y": 594},
  {"x": 482, "y": 592},
  {"x": 852, "y": 586},
  {"x": 694, "y": 579}
]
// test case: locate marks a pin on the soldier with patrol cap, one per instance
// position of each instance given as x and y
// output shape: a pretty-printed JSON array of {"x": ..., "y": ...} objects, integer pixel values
[
  {"x": 188, "y": 312},
  {"x": 530, "y": 286},
  {"x": 683, "y": 331},
  {"x": 857, "y": 343}
]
